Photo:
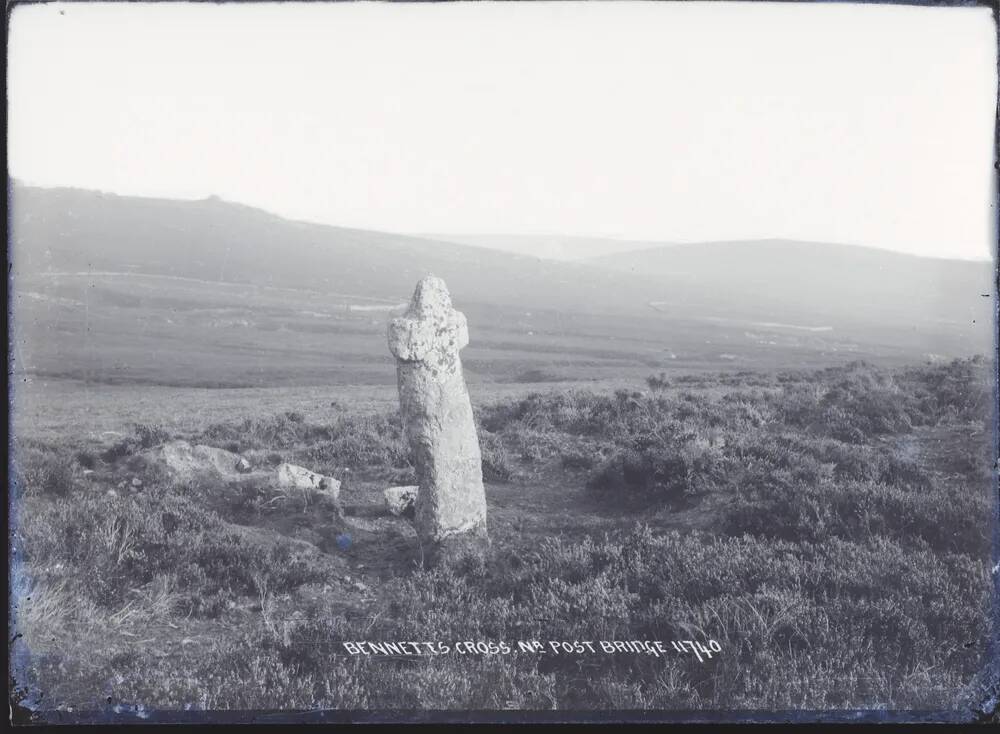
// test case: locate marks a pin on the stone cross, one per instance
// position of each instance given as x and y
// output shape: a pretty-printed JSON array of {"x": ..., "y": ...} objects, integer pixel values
[{"x": 437, "y": 416}]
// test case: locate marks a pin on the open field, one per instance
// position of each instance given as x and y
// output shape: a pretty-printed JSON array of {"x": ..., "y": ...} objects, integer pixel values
[
  {"x": 130, "y": 329},
  {"x": 122, "y": 290},
  {"x": 829, "y": 528}
]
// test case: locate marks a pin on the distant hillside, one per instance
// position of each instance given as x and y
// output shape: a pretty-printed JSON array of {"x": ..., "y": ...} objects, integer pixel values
[
  {"x": 818, "y": 282},
  {"x": 75, "y": 230},
  {"x": 210, "y": 293}
]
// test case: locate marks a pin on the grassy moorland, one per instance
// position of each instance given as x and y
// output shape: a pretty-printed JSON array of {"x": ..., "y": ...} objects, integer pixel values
[{"x": 830, "y": 530}]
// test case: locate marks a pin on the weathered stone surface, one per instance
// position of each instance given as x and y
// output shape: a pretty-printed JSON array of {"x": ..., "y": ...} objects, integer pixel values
[
  {"x": 401, "y": 501},
  {"x": 437, "y": 414},
  {"x": 185, "y": 460},
  {"x": 297, "y": 477}
]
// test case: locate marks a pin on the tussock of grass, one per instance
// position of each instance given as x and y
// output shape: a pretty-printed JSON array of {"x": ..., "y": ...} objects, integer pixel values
[
  {"x": 39, "y": 472},
  {"x": 497, "y": 466}
]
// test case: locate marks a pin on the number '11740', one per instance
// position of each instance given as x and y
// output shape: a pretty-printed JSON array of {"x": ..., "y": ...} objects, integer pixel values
[{"x": 701, "y": 651}]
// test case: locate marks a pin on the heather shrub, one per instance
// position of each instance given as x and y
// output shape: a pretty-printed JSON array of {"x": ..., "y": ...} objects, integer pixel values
[
  {"x": 945, "y": 518},
  {"x": 283, "y": 431},
  {"x": 658, "y": 382},
  {"x": 114, "y": 543},
  {"x": 663, "y": 473},
  {"x": 829, "y": 529},
  {"x": 143, "y": 436},
  {"x": 38, "y": 471},
  {"x": 496, "y": 461},
  {"x": 149, "y": 435},
  {"x": 358, "y": 442}
]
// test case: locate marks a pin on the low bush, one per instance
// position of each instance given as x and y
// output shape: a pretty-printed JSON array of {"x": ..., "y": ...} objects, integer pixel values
[
  {"x": 87, "y": 459},
  {"x": 143, "y": 436},
  {"x": 658, "y": 382},
  {"x": 149, "y": 435},
  {"x": 109, "y": 544},
  {"x": 38, "y": 471},
  {"x": 944, "y": 518},
  {"x": 664, "y": 473},
  {"x": 357, "y": 442},
  {"x": 283, "y": 431},
  {"x": 496, "y": 460}
]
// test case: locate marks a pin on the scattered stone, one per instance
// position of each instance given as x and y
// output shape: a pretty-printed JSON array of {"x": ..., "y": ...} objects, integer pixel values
[
  {"x": 136, "y": 482},
  {"x": 182, "y": 459},
  {"x": 297, "y": 477},
  {"x": 450, "y": 510},
  {"x": 401, "y": 501}
]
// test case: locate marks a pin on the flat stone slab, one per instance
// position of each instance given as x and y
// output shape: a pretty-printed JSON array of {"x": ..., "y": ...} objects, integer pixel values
[
  {"x": 291, "y": 476},
  {"x": 185, "y": 460}
]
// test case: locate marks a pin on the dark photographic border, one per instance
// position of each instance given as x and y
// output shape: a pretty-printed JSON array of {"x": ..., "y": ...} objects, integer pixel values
[{"x": 21, "y": 713}]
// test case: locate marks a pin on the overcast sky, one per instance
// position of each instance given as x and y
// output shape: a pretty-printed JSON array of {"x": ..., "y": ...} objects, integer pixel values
[{"x": 655, "y": 121}]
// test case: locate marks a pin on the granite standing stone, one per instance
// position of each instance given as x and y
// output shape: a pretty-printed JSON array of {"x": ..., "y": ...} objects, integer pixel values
[{"x": 437, "y": 415}]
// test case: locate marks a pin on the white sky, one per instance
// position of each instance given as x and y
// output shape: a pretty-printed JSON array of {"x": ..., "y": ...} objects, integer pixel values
[{"x": 657, "y": 121}]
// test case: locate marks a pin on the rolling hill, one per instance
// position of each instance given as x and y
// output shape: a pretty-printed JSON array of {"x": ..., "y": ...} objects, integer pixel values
[
  {"x": 72, "y": 230},
  {"x": 839, "y": 283},
  {"x": 139, "y": 290}
]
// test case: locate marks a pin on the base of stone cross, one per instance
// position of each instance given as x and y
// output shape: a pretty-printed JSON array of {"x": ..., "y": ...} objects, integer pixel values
[{"x": 472, "y": 544}]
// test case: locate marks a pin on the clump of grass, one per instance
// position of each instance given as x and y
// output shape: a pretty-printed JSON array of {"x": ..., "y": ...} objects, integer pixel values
[
  {"x": 48, "y": 607},
  {"x": 669, "y": 473},
  {"x": 113, "y": 543},
  {"x": 359, "y": 442},
  {"x": 658, "y": 382},
  {"x": 283, "y": 431},
  {"x": 496, "y": 461},
  {"x": 944, "y": 519},
  {"x": 149, "y": 435},
  {"x": 143, "y": 436},
  {"x": 45, "y": 472},
  {"x": 577, "y": 460},
  {"x": 87, "y": 459}
]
